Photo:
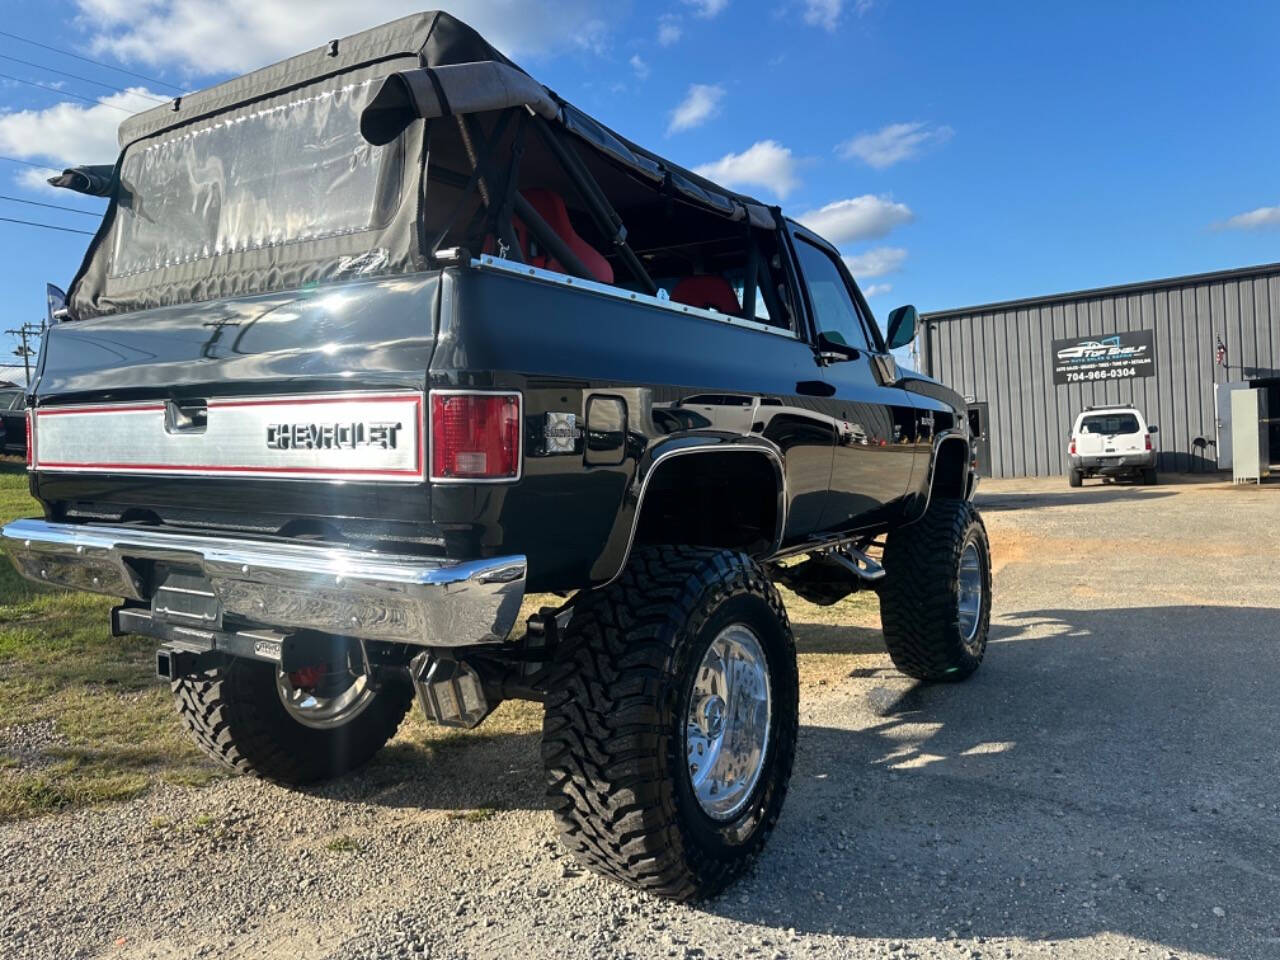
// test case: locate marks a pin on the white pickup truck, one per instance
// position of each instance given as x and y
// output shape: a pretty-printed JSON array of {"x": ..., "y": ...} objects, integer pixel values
[{"x": 1111, "y": 442}]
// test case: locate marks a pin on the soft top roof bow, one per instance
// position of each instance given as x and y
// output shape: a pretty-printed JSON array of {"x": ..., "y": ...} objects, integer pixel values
[{"x": 430, "y": 92}]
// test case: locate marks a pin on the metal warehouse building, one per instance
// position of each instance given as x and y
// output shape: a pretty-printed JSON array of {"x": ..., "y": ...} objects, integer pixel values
[{"x": 1170, "y": 347}]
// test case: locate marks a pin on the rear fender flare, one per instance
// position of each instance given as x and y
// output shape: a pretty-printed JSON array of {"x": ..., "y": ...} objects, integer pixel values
[{"x": 613, "y": 560}]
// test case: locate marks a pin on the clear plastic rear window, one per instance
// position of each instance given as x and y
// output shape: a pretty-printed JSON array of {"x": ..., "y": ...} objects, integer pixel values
[{"x": 271, "y": 174}]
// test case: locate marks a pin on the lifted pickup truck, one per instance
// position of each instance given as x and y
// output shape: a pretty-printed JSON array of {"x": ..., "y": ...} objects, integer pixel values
[{"x": 375, "y": 341}]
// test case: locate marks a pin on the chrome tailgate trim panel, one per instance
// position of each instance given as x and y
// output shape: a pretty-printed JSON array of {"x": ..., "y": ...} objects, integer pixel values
[{"x": 341, "y": 436}]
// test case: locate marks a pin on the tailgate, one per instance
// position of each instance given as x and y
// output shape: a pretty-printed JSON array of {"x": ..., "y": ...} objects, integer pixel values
[
  {"x": 255, "y": 404},
  {"x": 1106, "y": 445}
]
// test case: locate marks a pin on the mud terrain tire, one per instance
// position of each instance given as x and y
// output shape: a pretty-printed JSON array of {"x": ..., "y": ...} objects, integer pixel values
[
  {"x": 920, "y": 594},
  {"x": 615, "y": 742},
  {"x": 234, "y": 713}
]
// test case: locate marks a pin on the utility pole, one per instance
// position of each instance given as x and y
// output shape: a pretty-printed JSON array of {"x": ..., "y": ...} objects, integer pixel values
[{"x": 27, "y": 331}]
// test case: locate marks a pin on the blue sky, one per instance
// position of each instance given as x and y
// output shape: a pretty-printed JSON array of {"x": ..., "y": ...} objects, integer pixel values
[{"x": 958, "y": 152}]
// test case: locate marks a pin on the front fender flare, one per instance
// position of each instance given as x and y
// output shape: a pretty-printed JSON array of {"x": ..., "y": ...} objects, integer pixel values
[{"x": 949, "y": 437}]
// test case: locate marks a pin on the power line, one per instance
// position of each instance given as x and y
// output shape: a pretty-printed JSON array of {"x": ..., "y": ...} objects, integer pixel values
[
  {"x": 75, "y": 76},
  {"x": 27, "y": 163},
  {"x": 47, "y": 226},
  {"x": 98, "y": 63},
  {"x": 64, "y": 93},
  {"x": 51, "y": 206}
]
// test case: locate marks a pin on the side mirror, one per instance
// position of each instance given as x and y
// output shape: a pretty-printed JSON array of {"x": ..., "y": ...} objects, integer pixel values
[
  {"x": 1153, "y": 429},
  {"x": 901, "y": 329},
  {"x": 832, "y": 350}
]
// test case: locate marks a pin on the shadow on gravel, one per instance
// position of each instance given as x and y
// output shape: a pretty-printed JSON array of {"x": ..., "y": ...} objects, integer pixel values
[
  {"x": 1109, "y": 770},
  {"x": 994, "y": 502},
  {"x": 1105, "y": 771},
  {"x": 835, "y": 638},
  {"x": 496, "y": 770},
  {"x": 500, "y": 771}
]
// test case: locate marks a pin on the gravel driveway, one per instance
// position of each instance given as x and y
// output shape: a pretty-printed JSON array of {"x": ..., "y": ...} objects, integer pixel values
[{"x": 1104, "y": 787}]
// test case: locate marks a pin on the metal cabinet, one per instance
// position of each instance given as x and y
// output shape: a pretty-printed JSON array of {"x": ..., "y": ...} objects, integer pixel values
[{"x": 1251, "y": 454}]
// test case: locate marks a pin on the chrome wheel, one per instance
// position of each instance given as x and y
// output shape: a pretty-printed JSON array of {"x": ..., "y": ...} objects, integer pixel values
[
  {"x": 727, "y": 726},
  {"x": 321, "y": 700},
  {"x": 969, "y": 593}
]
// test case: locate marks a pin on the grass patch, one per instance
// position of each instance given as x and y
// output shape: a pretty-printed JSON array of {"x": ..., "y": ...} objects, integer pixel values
[
  {"x": 116, "y": 729},
  {"x": 479, "y": 815},
  {"x": 343, "y": 844}
]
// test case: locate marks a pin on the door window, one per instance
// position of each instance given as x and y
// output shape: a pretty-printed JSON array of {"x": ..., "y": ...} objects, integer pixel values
[{"x": 836, "y": 313}]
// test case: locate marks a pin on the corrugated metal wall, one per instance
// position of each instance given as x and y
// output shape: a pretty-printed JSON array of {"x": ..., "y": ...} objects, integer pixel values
[{"x": 1002, "y": 354}]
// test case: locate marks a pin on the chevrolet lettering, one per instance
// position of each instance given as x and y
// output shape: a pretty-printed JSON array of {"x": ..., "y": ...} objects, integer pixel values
[{"x": 332, "y": 436}]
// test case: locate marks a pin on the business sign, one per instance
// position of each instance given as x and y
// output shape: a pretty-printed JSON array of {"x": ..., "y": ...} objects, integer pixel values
[{"x": 1118, "y": 356}]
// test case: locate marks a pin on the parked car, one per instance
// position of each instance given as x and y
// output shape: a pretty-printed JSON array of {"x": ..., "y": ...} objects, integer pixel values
[
  {"x": 1111, "y": 442},
  {"x": 13, "y": 422},
  {"x": 323, "y": 435}
]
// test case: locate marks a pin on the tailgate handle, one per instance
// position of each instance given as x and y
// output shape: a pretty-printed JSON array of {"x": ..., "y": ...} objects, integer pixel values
[{"x": 189, "y": 416}]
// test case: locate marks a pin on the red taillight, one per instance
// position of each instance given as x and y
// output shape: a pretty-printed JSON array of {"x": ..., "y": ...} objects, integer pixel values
[
  {"x": 1072, "y": 449},
  {"x": 31, "y": 444},
  {"x": 475, "y": 436},
  {"x": 1149, "y": 447}
]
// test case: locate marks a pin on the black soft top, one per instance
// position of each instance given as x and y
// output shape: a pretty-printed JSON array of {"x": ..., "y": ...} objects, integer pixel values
[
  {"x": 432, "y": 40},
  {"x": 424, "y": 66}
]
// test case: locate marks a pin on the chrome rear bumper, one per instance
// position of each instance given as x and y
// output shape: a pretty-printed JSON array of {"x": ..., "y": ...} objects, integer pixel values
[{"x": 372, "y": 596}]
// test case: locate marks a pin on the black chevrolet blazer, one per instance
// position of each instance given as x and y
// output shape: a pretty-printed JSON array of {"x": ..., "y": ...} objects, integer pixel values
[{"x": 374, "y": 342}]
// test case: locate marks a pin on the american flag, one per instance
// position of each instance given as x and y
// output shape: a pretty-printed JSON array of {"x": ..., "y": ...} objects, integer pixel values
[{"x": 1222, "y": 353}]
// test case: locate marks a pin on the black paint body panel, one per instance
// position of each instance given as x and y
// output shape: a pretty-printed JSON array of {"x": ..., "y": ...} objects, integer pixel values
[{"x": 850, "y": 453}]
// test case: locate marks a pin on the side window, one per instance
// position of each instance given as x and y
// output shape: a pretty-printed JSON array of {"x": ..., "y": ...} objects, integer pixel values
[{"x": 836, "y": 313}]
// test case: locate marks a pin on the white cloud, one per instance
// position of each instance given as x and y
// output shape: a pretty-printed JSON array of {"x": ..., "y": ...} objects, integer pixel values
[
  {"x": 707, "y": 8},
  {"x": 858, "y": 218},
  {"x": 700, "y": 104},
  {"x": 71, "y": 133},
  {"x": 875, "y": 262},
  {"x": 36, "y": 179},
  {"x": 639, "y": 66},
  {"x": 894, "y": 143},
  {"x": 765, "y": 164},
  {"x": 233, "y": 36},
  {"x": 825, "y": 13},
  {"x": 1258, "y": 219},
  {"x": 669, "y": 30},
  {"x": 876, "y": 290}
]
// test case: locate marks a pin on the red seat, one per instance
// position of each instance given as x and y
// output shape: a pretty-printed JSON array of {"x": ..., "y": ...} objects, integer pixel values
[
  {"x": 551, "y": 207},
  {"x": 709, "y": 291}
]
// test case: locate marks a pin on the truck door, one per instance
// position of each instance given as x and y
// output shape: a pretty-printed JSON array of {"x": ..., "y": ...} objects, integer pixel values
[
  {"x": 979, "y": 424},
  {"x": 877, "y": 438}
]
